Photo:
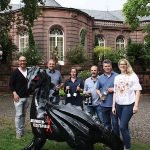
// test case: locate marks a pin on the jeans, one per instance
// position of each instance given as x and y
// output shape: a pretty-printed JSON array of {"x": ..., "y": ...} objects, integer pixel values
[
  {"x": 110, "y": 120},
  {"x": 94, "y": 110},
  {"x": 21, "y": 108},
  {"x": 125, "y": 113}
]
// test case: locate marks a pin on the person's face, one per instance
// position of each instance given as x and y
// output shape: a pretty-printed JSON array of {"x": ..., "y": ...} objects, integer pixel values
[
  {"x": 123, "y": 66},
  {"x": 94, "y": 71},
  {"x": 107, "y": 68},
  {"x": 73, "y": 73},
  {"x": 51, "y": 65},
  {"x": 22, "y": 62}
]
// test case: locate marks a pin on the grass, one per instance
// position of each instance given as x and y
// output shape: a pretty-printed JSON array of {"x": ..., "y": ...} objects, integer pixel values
[{"x": 9, "y": 142}]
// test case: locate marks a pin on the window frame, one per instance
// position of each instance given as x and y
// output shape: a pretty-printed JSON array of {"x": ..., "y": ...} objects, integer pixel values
[
  {"x": 56, "y": 36},
  {"x": 119, "y": 43},
  {"x": 99, "y": 42},
  {"x": 25, "y": 37}
]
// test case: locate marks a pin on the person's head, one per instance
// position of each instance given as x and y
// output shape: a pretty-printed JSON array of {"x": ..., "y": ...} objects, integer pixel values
[
  {"x": 94, "y": 71},
  {"x": 125, "y": 66},
  {"x": 73, "y": 73},
  {"x": 22, "y": 62},
  {"x": 51, "y": 64},
  {"x": 107, "y": 66}
]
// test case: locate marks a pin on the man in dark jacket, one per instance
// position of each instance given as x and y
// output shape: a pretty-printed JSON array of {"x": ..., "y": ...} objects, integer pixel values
[{"x": 18, "y": 85}]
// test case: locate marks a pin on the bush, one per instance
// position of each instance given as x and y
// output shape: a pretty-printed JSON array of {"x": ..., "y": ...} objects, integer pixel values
[
  {"x": 134, "y": 52},
  {"x": 116, "y": 55},
  {"x": 32, "y": 55},
  {"x": 76, "y": 55},
  {"x": 107, "y": 53},
  {"x": 84, "y": 74},
  {"x": 102, "y": 52},
  {"x": 62, "y": 93}
]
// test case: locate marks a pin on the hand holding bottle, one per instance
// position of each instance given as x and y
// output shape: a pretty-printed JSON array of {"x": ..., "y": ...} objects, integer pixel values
[
  {"x": 104, "y": 94},
  {"x": 78, "y": 88},
  {"x": 68, "y": 91}
]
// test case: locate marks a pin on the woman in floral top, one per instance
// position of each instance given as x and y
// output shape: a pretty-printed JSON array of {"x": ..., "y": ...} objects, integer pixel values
[{"x": 126, "y": 98}]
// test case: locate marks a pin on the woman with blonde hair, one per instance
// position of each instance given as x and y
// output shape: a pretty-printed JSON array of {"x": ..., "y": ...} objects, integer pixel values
[{"x": 126, "y": 98}]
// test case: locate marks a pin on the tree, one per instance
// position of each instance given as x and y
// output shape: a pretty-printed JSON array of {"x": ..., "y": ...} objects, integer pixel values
[
  {"x": 29, "y": 13},
  {"x": 6, "y": 19},
  {"x": 4, "y": 4},
  {"x": 76, "y": 55},
  {"x": 134, "y": 9}
]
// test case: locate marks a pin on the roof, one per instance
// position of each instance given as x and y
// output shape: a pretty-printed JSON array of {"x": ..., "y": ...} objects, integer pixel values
[
  {"x": 105, "y": 15},
  {"x": 51, "y": 3},
  {"x": 116, "y": 15}
]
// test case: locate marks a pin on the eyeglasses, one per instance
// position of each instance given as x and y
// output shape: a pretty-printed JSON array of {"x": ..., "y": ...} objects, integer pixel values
[
  {"x": 122, "y": 64},
  {"x": 22, "y": 60}
]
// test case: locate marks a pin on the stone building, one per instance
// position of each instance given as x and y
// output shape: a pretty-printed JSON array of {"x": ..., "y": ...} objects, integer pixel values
[{"x": 63, "y": 28}]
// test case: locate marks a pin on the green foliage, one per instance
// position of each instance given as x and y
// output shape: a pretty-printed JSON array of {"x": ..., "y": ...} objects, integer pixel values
[
  {"x": 84, "y": 74},
  {"x": 138, "y": 53},
  {"x": 102, "y": 52},
  {"x": 30, "y": 11},
  {"x": 62, "y": 93},
  {"x": 146, "y": 53},
  {"x": 6, "y": 19},
  {"x": 7, "y": 47},
  {"x": 115, "y": 55},
  {"x": 134, "y": 52},
  {"x": 4, "y": 5},
  {"x": 32, "y": 55},
  {"x": 76, "y": 55},
  {"x": 133, "y": 9}
]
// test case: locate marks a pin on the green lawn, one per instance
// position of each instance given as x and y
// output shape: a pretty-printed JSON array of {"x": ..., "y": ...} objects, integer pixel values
[{"x": 9, "y": 142}]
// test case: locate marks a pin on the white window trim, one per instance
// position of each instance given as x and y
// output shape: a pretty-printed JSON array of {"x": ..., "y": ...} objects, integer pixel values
[
  {"x": 56, "y": 36},
  {"x": 25, "y": 36},
  {"x": 119, "y": 43},
  {"x": 101, "y": 42}
]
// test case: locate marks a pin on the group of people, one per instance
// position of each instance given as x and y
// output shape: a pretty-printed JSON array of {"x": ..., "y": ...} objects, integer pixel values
[{"x": 114, "y": 97}]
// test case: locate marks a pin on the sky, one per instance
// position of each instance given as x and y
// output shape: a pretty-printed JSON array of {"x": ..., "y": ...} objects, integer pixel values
[{"x": 90, "y": 4}]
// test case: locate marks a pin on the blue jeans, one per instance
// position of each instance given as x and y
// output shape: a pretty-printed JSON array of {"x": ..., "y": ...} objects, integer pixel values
[
  {"x": 125, "y": 112},
  {"x": 110, "y": 120},
  {"x": 94, "y": 110},
  {"x": 21, "y": 108}
]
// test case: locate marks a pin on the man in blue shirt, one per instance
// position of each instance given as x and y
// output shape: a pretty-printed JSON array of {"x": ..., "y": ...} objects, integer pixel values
[
  {"x": 90, "y": 90},
  {"x": 56, "y": 78},
  {"x": 104, "y": 89}
]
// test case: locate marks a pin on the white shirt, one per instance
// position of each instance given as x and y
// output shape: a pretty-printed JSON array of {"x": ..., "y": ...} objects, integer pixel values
[
  {"x": 125, "y": 87},
  {"x": 24, "y": 72}
]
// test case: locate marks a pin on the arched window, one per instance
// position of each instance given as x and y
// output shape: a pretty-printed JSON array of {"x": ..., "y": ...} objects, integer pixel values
[
  {"x": 23, "y": 41},
  {"x": 120, "y": 42},
  {"x": 56, "y": 47},
  {"x": 82, "y": 37},
  {"x": 101, "y": 41}
]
